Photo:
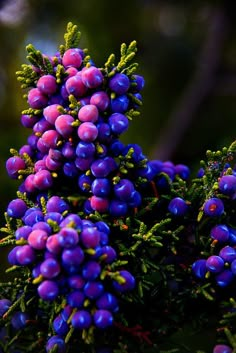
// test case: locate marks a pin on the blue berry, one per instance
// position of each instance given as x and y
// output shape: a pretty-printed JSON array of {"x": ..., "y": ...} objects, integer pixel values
[
  {"x": 178, "y": 206},
  {"x": 213, "y": 207}
]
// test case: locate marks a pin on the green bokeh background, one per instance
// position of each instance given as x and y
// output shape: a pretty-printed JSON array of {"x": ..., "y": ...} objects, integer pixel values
[{"x": 186, "y": 53}]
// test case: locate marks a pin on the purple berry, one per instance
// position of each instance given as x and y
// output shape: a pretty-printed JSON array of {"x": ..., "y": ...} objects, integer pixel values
[
  {"x": 118, "y": 122},
  {"x": 51, "y": 112},
  {"x": 60, "y": 326},
  {"x": 85, "y": 149},
  {"x": 222, "y": 348},
  {"x": 102, "y": 318},
  {"x": 14, "y": 165},
  {"x": 178, "y": 206},
  {"x": 81, "y": 320},
  {"x": 213, "y": 207},
  {"x": 127, "y": 285},
  {"x": 48, "y": 290},
  {"x": 75, "y": 86},
  {"x": 119, "y": 83},
  {"x": 90, "y": 237},
  {"x": 25, "y": 255},
  {"x": 215, "y": 264},
  {"x": 16, "y": 208},
  {"x": 224, "y": 278},
  {"x": 75, "y": 299},
  {"x": 93, "y": 289},
  {"x": 91, "y": 270},
  {"x": 124, "y": 189},
  {"x": 120, "y": 104},
  {"x": 220, "y": 232},
  {"x": 68, "y": 237},
  {"x": 50, "y": 268},
  {"x": 228, "y": 253},
  {"x": 227, "y": 185},
  {"x": 4, "y": 306},
  {"x": 19, "y": 320},
  {"x": 199, "y": 268},
  {"x": 107, "y": 301},
  {"x": 58, "y": 342},
  {"x": 56, "y": 204},
  {"x": 118, "y": 208}
]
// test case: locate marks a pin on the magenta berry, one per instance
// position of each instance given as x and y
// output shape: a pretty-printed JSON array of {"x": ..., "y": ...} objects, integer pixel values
[
  {"x": 36, "y": 99},
  {"x": 47, "y": 84},
  {"x": 88, "y": 113},
  {"x": 92, "y": 77},
  {"x": 72, "y": 57},
  {"x": 87, "y": 132},
  {"x": 14, "y": 165}
]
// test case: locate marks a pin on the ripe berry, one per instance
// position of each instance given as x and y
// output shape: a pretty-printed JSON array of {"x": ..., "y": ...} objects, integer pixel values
[
  {"x": 91, "y": 77},
  {"x": 102, "y": 318},
  {"x": 48, "y": 290},
  {"x": 81, "y": 320},
  {"x": 13, "y": 165},
  {"x": 4, "y": 306},
  {"x": 19, "y": 320},
  {"x": 178, "y": 206},
  {"x": 199, "y": 268},
  {"x": 37, "y": 239},
  {"x": 90, "y": 237},
  {"x": 51, "y": 112},
  {"x": 50, "y": 268},
  {"x": 88, "y": 113},
  {"x": 58, "y": 342},
  {"x": 63, "y": 125},
  {"x": 222, "y": 348},
  {"x": 215, "y": 264},
  {"x": 72, "y": 57},
  {"x": 128, "y": 283},
  {"x": 36, "y": 99},
  {"x": 124, "y": 189},
  {"x": 75, "y": 299},
  {"x": 43, "y": 180},
  {"x": 119, "y": 83},
  {"x": 213, "y": 207},
  {"x": 47, "y": 84},
  {"x": 87, "y": 132},
  {"x": 224, "y": 278},
  {"x": 16, "y": 208},
  {"x": 120, "y": 104},
  {"x": 220, "y": 232},
  {"x": 99, "y": 204},
  {"x": 101, "y": 100},
  {"x": 119, "y": 123},
  {"x": 227, "y": 185},
  {"x": 228, "y": 253}
]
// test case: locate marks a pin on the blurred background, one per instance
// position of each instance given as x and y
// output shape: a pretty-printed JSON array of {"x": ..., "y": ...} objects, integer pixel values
[{"x": 186, "y": 52}]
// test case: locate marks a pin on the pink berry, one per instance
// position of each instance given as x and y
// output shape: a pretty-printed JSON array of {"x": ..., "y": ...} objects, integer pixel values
[{"x": 87, "y": 132}]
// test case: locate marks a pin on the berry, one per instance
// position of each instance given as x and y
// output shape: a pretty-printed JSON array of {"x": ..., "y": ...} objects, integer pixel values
[
  {"x": 119, "y": 83},
  {"x": 14, "y": 165},
  {"x": 118, "y": 208},
  {"x": 37, "y": 239},
  {"x": 99, "y": 204},
  {"x": 50, "y": 268},
  {"x": 91, "y": 270},
  {"x": 4, "y": 306},
  {"x": 119, "y": 123},
  {"x": 48, "y": 290},
  {"x": 25, "y": 255},
  {"x": 93, "y": 289},
  {"x": 178, "y": 206},
  {"x": 124, "y": 189},
  {"x": 75, "y": 299},
  {"x": 224, "y": 278},
  {"x": 220, "y": 232},
  {"x": 199, "y": 268},
  {"x": 101, "y": 187},
  {"x": 101, "y": 100},
  {"x": 102, "y": 318},
  {"x": 215, "y": 264},
  {"x": 63, "y": 125},
  {"x": 51, "y": 112},
  {"x": 36, "y": 99},
  {"x": 19, "y": 320},
  {"x": 72, "y": 57},
  {"x": 58, "y": 342},
  {"x": 68, "y": 237},
  {"x": 228, "y": 253},
  {"x": 43, "y": 180},
  {"x": 227, "y": 185},
  {"x": 88, "y": 113},
  {"x": 222, "y": 348},
  {"x": 127, "y": 284},
  {"x": 47, "y": 84},
  {"x": 120, "y": 104},
  {"x": 81, "y": 320},
  {"x": 16, "y": 208},
  {"x": 91, "y": 77},
  {"x": 90, "y": 237},
  {"x": 60, "y": 326},
  {"x": 75, "y": 86},
  {"x": 87, "y": 132},
  {"x": 213, "y": 207},
  {"x": 107, "y": 301}
]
